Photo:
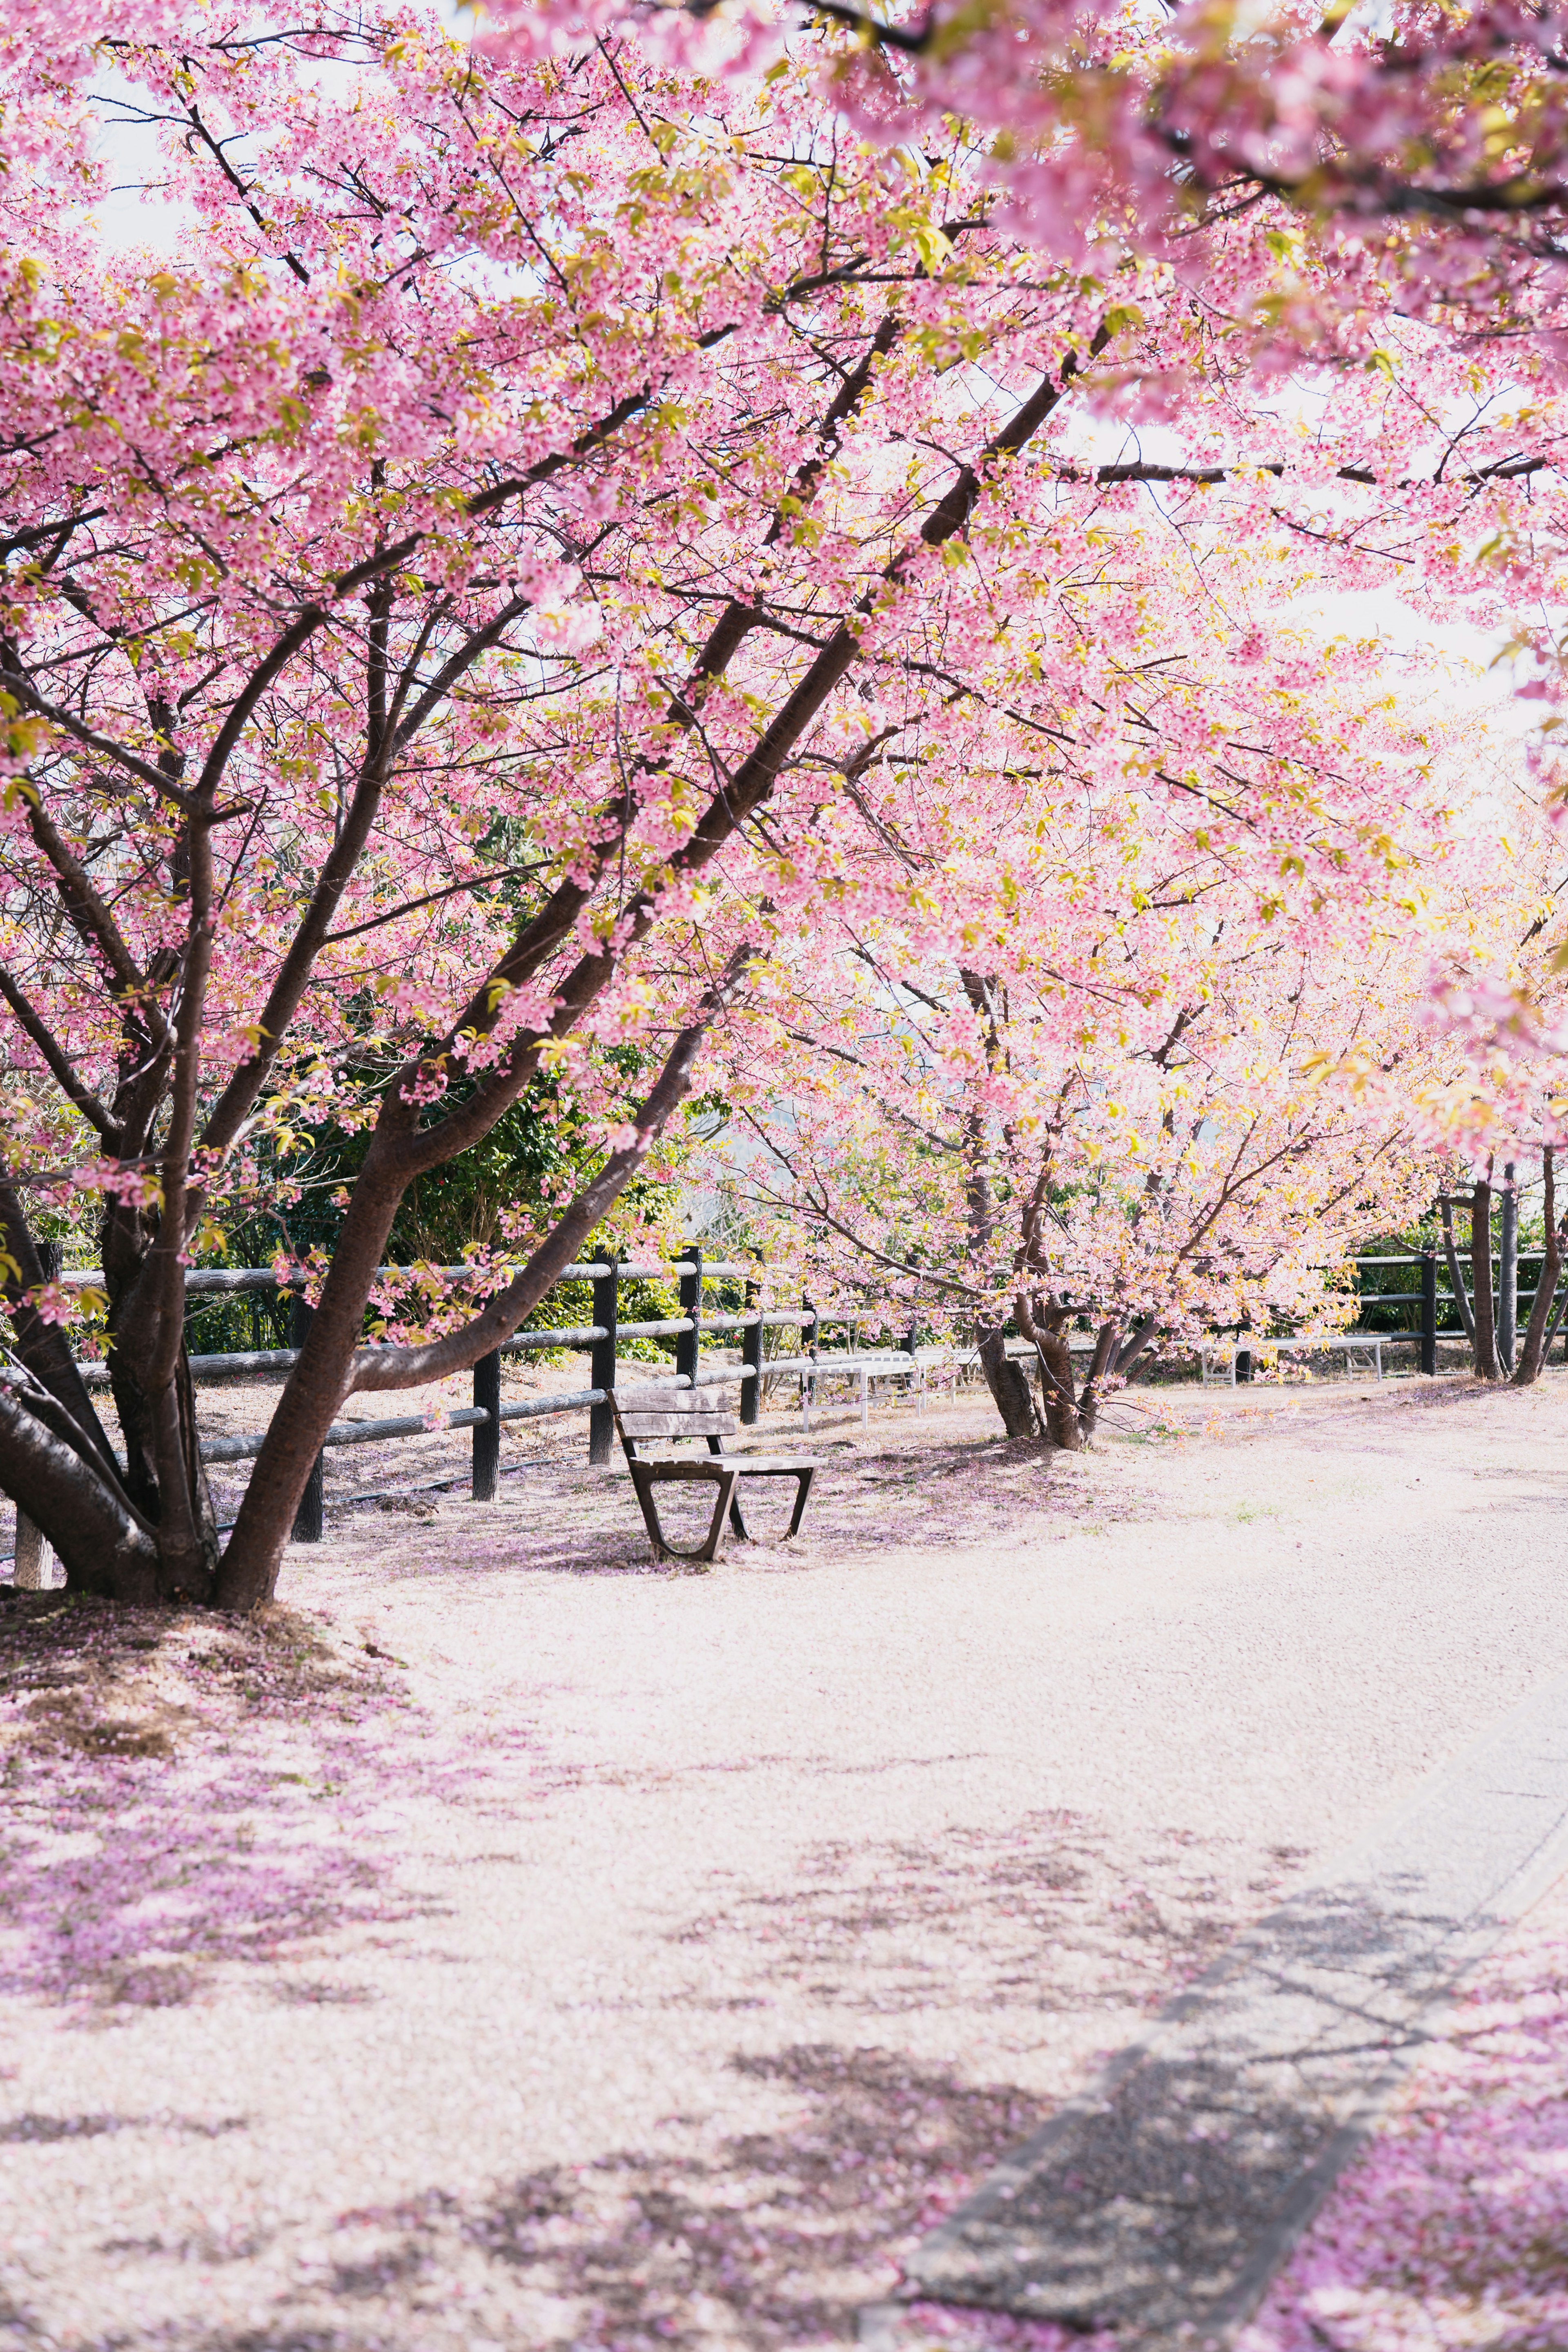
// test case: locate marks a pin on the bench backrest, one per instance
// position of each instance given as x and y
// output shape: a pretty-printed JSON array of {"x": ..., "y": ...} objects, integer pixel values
[{"x": 646, "y": 1413}]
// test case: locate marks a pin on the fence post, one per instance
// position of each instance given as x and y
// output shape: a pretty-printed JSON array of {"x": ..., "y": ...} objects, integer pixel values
[
  {"x": 601, "y": 1363},
  {"x": 751, "y": 1353},
  {"x": 809, "y": 1329},
  {"x": 916, "y": 1385},
  {"x": 1429, "y": 1311},
  {"x": 688, "y": 1344},
  {"x": 487, "y": 1433},
  {"x": 309, "y": 1518}
]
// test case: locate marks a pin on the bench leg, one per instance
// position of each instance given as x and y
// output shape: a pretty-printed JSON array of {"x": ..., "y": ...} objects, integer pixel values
[
  {"x": 707, "y": 1551},
  {"x": 725, "y": 1503},
  {"x": 799, "y": 1512},
  {"x": 650, "y": 1514},
  {"x": 715, "y": 1447}
]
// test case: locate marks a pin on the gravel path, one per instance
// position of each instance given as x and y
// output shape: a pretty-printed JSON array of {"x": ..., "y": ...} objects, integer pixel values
[{"x": 504, "y": 1944}]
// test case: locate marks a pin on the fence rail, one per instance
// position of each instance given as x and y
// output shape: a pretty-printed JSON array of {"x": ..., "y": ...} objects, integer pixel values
[{"x": 601, "y": 1338}]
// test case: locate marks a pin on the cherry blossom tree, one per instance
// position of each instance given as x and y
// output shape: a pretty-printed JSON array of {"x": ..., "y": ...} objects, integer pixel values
[
  {"x": 1423, "y": 151},
  {"x": 1497, "y": 1112},
  {"x": 471, "y": 604},
  {"x": 1186, "y": 1127}
]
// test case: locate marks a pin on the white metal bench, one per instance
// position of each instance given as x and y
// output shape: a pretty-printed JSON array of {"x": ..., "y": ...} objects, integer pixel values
[
  {"x": 1366, "y": 1345},
  {"x": 863, "y": 1369}
]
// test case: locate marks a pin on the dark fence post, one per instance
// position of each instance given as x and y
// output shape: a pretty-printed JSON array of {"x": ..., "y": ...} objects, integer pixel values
[
  {"x": 751, "y": 1353},
  {"x": 1429, "y": 1311},
  {"x": 601, "y": 1374},
  {"x": 487, "y": 1433},
  {"x": 310, "y": 1517},
  {"x": 688, "y": 1344},
  {"x": 808, "y": 1347}
]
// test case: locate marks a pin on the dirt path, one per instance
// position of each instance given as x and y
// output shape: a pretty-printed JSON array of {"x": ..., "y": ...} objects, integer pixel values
[{"x": 508, "y": 1946}]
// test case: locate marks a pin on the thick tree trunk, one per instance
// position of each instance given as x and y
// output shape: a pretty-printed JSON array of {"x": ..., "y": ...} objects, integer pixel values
[
  {"x": 1009, "y": 1386},
  {"x": 314, "y": 1390},
  {"x": 1532, "y": 1354},
  {"x": 1058, "y": 1400},
  {"x": 30, "y": 1572},
  {"x": 1487, "y": 1365},
  {"x": 188, "y": 1568},
  {"x": 107, "y": 1547}
]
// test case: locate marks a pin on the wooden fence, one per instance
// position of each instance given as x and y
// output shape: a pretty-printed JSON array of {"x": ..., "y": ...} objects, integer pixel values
[
  {"x": 600, "y": 1339},
  {"x": 1429, "y": 1298}
]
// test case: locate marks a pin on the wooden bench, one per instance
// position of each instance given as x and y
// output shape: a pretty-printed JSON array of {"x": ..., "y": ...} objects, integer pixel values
[{"x": 647, "y": 1413}]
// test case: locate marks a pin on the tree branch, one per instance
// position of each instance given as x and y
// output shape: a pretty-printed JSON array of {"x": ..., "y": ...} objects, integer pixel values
[{"x": 59, "y": 1066}]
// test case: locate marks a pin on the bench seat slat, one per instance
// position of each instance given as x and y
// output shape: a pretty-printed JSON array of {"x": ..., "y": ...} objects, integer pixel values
[
  {"x": 768, "y": 1466},
  {"x": 712, "y": 1466}
]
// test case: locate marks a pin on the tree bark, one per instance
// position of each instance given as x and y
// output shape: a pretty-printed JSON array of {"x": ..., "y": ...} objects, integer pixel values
[
  {"x": 33, "y": 1553},
  {"x": 1532, "y": 1354},
  {"x": 1100, "y": 1367},
  {"x": 1456, "y": 1276},
  {"x": 1058, "y": 1401},
  {"x": 1487, "y": 1365},
  {"x": 1009, "y": 1386},
  {"x": 46, "y": 1471}
]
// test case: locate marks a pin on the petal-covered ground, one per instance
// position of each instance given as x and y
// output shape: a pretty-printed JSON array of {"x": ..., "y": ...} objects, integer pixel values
[
  {"x": 1450, "y": 2234},
  {"x": 504, "y": 1943}
]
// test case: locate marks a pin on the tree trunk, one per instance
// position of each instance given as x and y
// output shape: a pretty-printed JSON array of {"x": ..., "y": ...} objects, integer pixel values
[
  {"x": 1532, "y": 1354},
  {"x": 314, "y": 1390},
  {"x": 1487, "y": 1365},
  {"x": 1100, "y": 1367},
  {"x": 1009, "y": 1386},
  {"x": 107, "y": 1545},
  {"x": 1508, "y": 1285},
  {"x": 33, "y": 1553},
  {"x": 1058, "y": 1401},
  {"x": 1456, "y": 1276}
]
